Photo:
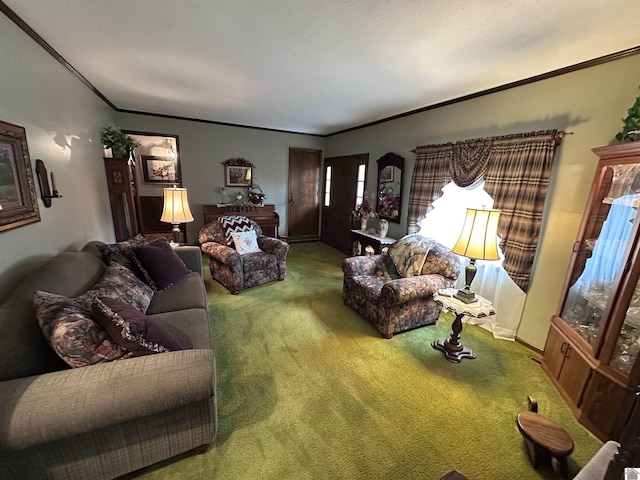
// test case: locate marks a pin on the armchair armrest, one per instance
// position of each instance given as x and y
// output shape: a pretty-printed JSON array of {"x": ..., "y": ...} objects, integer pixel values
[
  {"x": 222, "y": 253},
  {"x": 66, "y": 403},
  {"x": 401, "y": 290},
  {"x": 191, "y": 256},
  {"x": 362, "y": 265},
  {"x": 273, "y": 246}
]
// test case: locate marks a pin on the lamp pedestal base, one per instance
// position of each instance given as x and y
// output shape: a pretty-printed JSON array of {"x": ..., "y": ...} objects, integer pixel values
[
  {"x": 176, "y": 233},
  {"x": 465, "y": 295},
  {"x": 452, "y": 348}
]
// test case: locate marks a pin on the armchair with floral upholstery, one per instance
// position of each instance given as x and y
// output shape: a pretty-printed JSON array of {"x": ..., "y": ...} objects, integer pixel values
[
  {"x": 394, "y": 303},
  {"x": 238, "y": 272}
]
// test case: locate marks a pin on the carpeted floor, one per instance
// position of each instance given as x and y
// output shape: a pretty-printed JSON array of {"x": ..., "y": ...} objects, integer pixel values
[{"x": 307, "y": 389}]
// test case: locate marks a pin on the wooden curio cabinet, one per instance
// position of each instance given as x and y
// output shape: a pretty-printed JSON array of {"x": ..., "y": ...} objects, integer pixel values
[{"x": 591, "y": 352}]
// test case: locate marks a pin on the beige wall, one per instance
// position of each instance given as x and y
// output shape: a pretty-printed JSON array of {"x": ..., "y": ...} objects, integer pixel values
[
  {"x": 62, "y": 119},
  {"x": 203, "y": 146},
  {"x": 589, "y": 103}
]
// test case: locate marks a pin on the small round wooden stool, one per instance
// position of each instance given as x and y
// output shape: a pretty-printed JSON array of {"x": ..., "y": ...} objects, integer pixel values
[{"x": 544, "y": 437}]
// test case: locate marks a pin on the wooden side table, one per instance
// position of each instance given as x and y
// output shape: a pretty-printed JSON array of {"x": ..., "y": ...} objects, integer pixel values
[
  {"x": 452, "y": 348},
  {"x": 544, "y": 437},
  {"x": 361, "y": 240}
]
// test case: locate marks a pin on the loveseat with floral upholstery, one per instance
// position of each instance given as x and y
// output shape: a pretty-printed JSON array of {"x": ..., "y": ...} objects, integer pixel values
[
  {"x": 263, "y": 260},
  {"x": 394, "y": 291}
]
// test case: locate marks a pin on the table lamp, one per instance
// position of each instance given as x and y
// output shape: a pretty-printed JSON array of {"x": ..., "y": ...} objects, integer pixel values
[
  {"x": 478, "y": 242},
  {"x": 176, "y": 209}
]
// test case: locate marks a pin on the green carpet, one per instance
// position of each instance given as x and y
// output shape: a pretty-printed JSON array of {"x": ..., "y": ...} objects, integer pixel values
[{"x": 307, "y": 389}]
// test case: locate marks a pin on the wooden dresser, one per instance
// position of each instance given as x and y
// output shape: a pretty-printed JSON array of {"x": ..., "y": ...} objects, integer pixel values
[{"x": 265, "y": 215}]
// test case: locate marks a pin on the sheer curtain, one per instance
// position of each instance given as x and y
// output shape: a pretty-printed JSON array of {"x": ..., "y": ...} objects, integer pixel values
[{"x": 444, "y": 224}]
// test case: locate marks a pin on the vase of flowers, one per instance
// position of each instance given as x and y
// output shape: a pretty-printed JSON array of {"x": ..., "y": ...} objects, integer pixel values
[{"x": 364, "y": 212}]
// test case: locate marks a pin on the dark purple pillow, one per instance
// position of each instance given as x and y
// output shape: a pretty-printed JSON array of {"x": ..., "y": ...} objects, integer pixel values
[
  {"x": 160, "y": 265},
  {"x": 131, "y": 329}
]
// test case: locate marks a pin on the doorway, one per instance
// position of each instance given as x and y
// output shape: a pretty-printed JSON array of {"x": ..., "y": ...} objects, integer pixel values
[
  {"x": 339, "y": 199},
  {"x": 303, "y": 207}
]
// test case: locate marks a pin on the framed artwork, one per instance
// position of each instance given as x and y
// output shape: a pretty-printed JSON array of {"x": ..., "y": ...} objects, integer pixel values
[
  {"x": 157, "y": 169},
  {"x": 18, "y": 200},
  {"x": 386, "y": 174},
  {"x": 237, "y": 176}
]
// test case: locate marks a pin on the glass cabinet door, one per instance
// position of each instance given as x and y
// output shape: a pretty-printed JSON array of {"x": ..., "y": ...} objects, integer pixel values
[
  {"x": 628, "y": 342},
  {"x": 602, "y": 255}
]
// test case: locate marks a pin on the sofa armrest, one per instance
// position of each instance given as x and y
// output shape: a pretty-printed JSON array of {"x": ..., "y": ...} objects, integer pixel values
[
  {"x": 401, "y": 290},
  {"x": 66, "y": 403},
  {"x": 274, "y": 246},
  {"x": 222, "y": 253},
  {"x": 596, "y": 468},
  {"x": 191, "y": 256},
  {"x": 362, "y": 265}
]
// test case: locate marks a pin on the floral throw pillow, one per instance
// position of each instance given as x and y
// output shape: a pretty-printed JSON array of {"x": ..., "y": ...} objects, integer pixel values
[
  {"x": 409, "y": 254},
  {"x": 120, "y": 283},
  {"x": 72, "y": 333},
  {"x": 245, "y": 242},
  {"x": 120, "y": 252}
]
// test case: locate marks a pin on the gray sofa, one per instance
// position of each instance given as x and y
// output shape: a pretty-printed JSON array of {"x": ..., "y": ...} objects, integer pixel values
[{"x": 107, "y": 419}]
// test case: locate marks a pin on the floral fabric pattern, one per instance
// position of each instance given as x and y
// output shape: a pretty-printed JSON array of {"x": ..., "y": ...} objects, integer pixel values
[
  {"x": 394, "y": 305},
  {"x": 72, "y": 333},
  {"x": 120, "y": 283},
  {"x": 238, "y": 272},
  {"x": 121, "y": 252}
]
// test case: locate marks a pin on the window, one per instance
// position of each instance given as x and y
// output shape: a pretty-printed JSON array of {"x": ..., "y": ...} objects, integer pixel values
[
  {"x": 327, "y": 188},
  {"x": 444, "y": 223},
  {"x": 362, "y": 172}
]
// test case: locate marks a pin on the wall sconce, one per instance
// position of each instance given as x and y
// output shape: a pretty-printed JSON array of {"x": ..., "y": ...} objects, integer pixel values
[{"x": 43, "y": 180}]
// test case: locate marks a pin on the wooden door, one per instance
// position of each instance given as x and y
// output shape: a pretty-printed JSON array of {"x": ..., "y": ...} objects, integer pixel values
[
  {"x": 303, "y": 211},
  {"x": 339, "y": 199}
]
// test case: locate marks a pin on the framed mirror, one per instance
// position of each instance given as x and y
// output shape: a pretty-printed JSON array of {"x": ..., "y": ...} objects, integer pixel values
[{"x": 389, "y": 198}]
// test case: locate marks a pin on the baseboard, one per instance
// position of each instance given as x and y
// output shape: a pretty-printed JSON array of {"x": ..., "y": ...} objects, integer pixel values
[
  {"x": 303, "y": 238},
  {"x": 529, "y": 346}
]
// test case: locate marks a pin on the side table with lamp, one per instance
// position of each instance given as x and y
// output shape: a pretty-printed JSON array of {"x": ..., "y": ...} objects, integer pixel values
[{"x": 478, "y": 241}]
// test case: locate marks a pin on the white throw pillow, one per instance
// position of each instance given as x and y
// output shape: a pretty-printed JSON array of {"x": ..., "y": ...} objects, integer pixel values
[{"x": 246, "y": 242}]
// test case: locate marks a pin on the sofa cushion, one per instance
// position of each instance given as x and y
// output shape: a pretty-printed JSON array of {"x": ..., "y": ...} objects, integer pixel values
[
  {"x": 409, "y": 254},
  {"x": 159, "y": 264},
  {"x": 120, "y": 283},
  {"x": 234, "y": 223},
  {"x": 187, "y": 293},
  {"x": 71, "y": 331},
  {"x": 245, "y": 242},
  {"x": 131, "y": 329}
]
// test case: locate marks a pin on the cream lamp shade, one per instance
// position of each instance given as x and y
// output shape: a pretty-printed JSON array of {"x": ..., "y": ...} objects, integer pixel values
[
  {"x": 478, "y": 241},
  {"x": 176, "y": 209}
]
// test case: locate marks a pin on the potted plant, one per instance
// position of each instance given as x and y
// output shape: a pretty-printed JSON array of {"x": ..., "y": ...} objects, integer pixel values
[
  {"x": 631, "y": 124},
  {"x": 119, "y": 142}
]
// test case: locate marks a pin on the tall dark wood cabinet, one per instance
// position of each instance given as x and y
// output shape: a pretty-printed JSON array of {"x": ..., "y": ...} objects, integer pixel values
[
  {"x": 122, "y": 197},
  {"x": 591, "y": 352}
]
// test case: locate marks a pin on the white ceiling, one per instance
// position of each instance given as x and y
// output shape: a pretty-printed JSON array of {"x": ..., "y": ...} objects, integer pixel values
[{"x": 319, "y": 66}]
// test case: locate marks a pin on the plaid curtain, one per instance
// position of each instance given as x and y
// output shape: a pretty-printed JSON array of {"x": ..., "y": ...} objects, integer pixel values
[
  {"x": 430, "y": 174},
  {"x": 516, "y": 171}
]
